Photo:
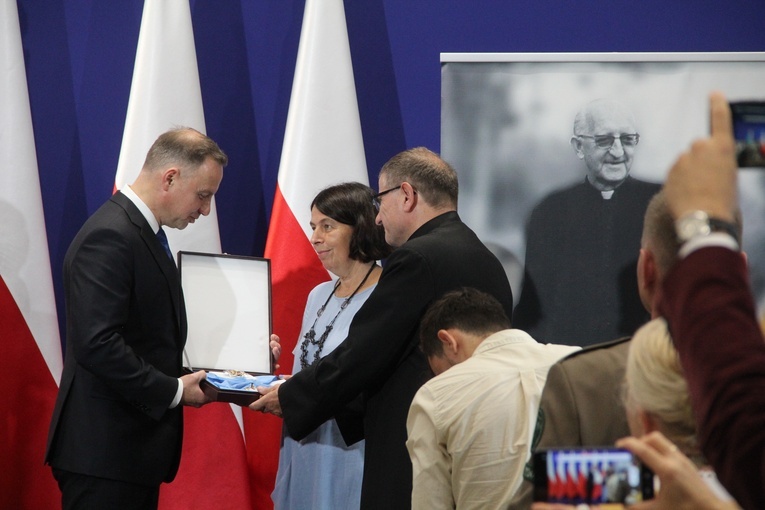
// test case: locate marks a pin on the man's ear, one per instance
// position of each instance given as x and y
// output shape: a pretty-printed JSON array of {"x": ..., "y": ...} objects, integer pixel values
[
  {"x": 576, "y": 144},
  {"x": 649, "y": 286},
  {"x": 448, "y": 342},
  {"x": 410, "y": 196},
  {"x": 169, "y": 176},
  {"x": 647, "y": 272}
]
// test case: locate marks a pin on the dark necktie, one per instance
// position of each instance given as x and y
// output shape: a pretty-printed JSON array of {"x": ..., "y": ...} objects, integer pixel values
[{"x": 163, "y": 240}]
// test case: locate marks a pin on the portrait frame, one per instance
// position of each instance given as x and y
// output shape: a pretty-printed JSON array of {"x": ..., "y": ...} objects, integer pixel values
[
  {"x": 507, "y": 121},
  {"x": 228, "y": 304}
]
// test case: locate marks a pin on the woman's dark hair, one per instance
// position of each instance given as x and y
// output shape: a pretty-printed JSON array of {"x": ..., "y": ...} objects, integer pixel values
[{"x": 350, "y": 203}]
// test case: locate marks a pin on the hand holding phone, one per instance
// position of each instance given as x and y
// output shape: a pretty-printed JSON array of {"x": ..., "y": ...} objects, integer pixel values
[
  {"x": 705, "y": 177},
  {"x": 681, "y": 486},
  {"x": 749, "y": 132},
  {"x": 592, "y": 476}
]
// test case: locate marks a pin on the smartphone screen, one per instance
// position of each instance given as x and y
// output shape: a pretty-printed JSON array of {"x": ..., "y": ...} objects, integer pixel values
[
  {"x": 749, "y": 132},
  {"x": 611, "y": 477}
]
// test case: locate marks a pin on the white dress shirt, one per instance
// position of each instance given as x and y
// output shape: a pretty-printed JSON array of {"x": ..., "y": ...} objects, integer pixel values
[{"x": 470, "y": 428}]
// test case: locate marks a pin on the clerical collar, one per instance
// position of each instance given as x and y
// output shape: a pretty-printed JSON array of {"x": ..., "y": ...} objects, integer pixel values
[{"x": 605, "y": 195}]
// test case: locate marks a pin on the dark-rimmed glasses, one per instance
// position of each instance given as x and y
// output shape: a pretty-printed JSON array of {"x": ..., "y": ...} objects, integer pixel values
[
  {"x": 376, "y": 198},
  {"x": 607, "y": 141}
]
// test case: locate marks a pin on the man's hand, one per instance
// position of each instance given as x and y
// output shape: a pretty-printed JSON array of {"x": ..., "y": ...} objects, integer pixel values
[
  {"x": 269, "y": 402},
  {"x": 192, "y": 394},
  {"x": 704, "y": 177}
]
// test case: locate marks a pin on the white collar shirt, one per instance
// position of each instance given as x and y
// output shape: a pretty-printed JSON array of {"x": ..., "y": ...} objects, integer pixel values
[{"x": 470, "y": 428}]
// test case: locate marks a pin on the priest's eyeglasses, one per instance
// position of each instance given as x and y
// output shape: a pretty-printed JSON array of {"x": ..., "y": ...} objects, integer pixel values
[{"x": 607, "y": 141}]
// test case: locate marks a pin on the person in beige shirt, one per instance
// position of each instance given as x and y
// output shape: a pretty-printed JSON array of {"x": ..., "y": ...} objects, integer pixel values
[{"x": 469, "y": 428}]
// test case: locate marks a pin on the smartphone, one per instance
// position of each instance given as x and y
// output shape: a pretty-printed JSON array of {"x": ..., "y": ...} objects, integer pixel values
[
  {"x": 749, "y": 132},
  {"x": 611, "y": 477}
]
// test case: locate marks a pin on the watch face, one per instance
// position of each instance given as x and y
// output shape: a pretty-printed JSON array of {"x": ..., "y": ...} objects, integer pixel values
[
  {"x": 699, "y": 224},
  {"x": 692, "y": 226}
]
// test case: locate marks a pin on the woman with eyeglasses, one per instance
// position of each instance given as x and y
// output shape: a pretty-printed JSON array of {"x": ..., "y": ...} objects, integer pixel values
[{"x": 320, "y": 471}]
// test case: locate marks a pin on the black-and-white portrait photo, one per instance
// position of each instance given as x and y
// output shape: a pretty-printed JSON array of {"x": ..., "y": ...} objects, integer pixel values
[{"x": 558, "y": 156}]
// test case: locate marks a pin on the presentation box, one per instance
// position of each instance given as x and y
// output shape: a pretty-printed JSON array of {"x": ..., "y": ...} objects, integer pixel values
[{"x": 228, "y": 309}]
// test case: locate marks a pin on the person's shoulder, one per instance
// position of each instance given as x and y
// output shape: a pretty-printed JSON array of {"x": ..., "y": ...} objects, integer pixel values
[
  {"x": 645, "y": 187},
  {"x": 106, "y": 233},
  {"x": 565, "y": 193},
  {"x": 430, "y": 238},
  {"x": 437, "y": 226},
  {"x": 109, "y": 217},
  {"x": 609, "y": 348},
  {"x": 322, "y": 289},
  {"x": 116, "y": 213},
  {"x": 636, "y": 181},
  {"x": 558, "y": 352},
  {"x": 323, "y": 285},
  {"x": 561, "y": 198},
  {"x": 456, "y": 378}
]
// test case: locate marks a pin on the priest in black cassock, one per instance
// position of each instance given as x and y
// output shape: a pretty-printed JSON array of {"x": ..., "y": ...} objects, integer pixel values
[{"x": 582, "y": 242}]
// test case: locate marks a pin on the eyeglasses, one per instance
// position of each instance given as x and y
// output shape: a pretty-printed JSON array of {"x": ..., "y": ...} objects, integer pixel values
[
  {"x": 607, "y": 141},
  {"x": 376, "y": 198}
]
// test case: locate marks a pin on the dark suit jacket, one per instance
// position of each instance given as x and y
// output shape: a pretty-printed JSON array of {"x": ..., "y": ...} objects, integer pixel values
[
  {"x": 380, "y": 359},
  {"x": 581, "y": 405},
  {"x": 579, "y": 284},
  {"x": 126, "y": 326},
  {"x": 711, "y": 314}
]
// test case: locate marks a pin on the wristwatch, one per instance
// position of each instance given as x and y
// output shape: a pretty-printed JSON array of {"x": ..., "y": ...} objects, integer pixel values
[{"x": 700, "y": 224}]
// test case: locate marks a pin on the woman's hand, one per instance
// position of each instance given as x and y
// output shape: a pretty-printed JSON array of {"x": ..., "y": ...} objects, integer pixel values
[
  {"x": 276, "y": 349},
  {"x": 681, "y": 485}
]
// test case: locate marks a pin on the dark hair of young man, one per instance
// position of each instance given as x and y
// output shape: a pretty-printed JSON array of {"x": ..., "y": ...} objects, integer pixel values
[{"x": 467, "y": 309}]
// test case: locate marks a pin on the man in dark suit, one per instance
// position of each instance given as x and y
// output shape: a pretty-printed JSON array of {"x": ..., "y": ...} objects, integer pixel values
[
  {"x": 117, "y": 425},
  {"x": 582, "y": 242},
  {"x": 379, "y": 361}
]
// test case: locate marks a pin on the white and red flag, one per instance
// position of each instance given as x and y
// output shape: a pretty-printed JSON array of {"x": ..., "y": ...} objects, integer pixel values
[
  {"x": 165, "y": 93},
  {"x": 322, "y": 146},
  {"x": 31, "y": 360}
]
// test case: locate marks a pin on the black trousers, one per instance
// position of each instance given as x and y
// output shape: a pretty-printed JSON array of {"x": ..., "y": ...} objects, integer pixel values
[{"x": 83, "y": 492}]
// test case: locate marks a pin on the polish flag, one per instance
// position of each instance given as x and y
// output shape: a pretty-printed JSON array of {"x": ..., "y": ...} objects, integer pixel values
[
  {"x": 164, "y": 94},
  {"x": 322, "y": 146},
  {"x": 31, "y": 361}
]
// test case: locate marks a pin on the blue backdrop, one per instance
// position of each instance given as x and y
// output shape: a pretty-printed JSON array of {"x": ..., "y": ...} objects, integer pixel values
[{"x": 80, "y": 54}]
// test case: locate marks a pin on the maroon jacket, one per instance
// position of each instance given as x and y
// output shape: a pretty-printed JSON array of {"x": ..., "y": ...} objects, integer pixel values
[{"x": 712, "y": 318}]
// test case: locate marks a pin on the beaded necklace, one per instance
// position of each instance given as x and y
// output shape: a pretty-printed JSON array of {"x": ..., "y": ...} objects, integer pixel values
[{"x": 310, "y": 336}]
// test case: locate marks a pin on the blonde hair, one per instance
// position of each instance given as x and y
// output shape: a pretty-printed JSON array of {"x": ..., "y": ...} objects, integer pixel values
[{"x": 655, "y": 383}]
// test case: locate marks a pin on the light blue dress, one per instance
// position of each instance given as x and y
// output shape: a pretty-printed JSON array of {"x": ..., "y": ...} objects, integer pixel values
[{"x": 321, "y": 471}]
